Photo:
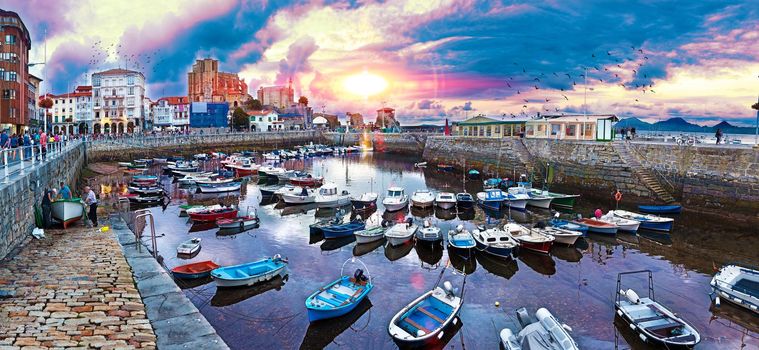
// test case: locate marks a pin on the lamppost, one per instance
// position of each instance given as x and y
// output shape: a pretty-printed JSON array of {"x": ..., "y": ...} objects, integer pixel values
[{"x": 756, "y": 132}]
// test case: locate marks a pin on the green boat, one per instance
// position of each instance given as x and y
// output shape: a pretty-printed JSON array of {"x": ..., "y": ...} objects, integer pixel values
[{"x": 566, "y": 201}]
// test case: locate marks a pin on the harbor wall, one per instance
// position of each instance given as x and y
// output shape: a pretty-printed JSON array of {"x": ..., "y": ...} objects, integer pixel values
[
  {"x": 711, "y": 177},
  {"x": 150, "y": 147},
  {"x": 411, "y": 143},
  {"x": 24, "y": 192}
]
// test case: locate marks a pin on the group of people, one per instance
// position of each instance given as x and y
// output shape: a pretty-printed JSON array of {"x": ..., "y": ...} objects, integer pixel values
[
  {"x": 14, "y": 142},
  {"x": 51, "y": 195},
  {"x": 627, "y": 133}
]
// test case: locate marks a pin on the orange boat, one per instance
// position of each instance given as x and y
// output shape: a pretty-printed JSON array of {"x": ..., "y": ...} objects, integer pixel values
[
  {"x": 598, "y": 226},
  {"x": 194, "y": 270}
]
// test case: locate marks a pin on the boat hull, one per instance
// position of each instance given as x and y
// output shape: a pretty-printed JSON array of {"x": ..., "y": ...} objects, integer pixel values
[
  {"x": 67, "y": 211},
  {"x": 657, "y": 226},
  {"x": 462, "y": 205},
  {"x": 358, "y": 204},
  {"x": 567, "y": 202},
  {"x": 339, "y": 307},
  {"x": 292, "y": 199},
  {"x": 209, "y": 217},
  {"x": 395, "y": 206},
  {"x": 218, "y": 189},
  {"x": 539, "y": 247},
  {"x": 420, "y": 204},
  {"x": 603, "y": 230},
  {"x": 341, "y": 230},
  {"x": 543, "y": 203},
  {"x": 274, "y": 269},
  {"x": 497, "y": 251},
  {"x": 660, "y": 209},
  {"x": 446, "y": 205},
  {"x": 517, "y": 204}
]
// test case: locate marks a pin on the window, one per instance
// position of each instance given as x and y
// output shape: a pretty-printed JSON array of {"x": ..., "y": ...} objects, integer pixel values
[
  {"x": 588, "y": 130},
  {"x": 55, "y": 119},
  {"x": 530, "y": 130},
  {"x": 571, "y": 130},
  {"x": 131, "y": 90},
  {"x": 130, "y": 81},
  {"x": 9, "y": 94},
  {"x": 555, "y": 129},
  {"x": 10, "y": 39},
  {"x": 482, "y": 131},
  {"x": 498, "y": 129},
  {"x": 487, "y": 131},
  {"x": 96, "y": 82}
]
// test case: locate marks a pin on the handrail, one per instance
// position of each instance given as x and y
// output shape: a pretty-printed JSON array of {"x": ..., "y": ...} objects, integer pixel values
[
  {"x": 658, "y": 173},
  {"x": 22, "y": 159},
  {"x": 141, "y": 213}
]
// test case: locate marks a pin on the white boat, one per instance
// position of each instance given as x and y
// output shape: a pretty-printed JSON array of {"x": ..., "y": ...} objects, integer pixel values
[
  {"x": 529, "y": 239},
  {"x": 518, "y": 198},
  {"x": 544, "y": 332},
  {"x": 329, "y": 197},
  {"x": 201, "y": 156},
  {"x": 495, "y": 241},
  {"x": 655, "y": 324},
  {"x": 373, "y": 231},
  {"x": 647, "y": 221},
  {"x": 67, "y": 211},
  {"x": 191, "y": 179},
  {"x": 216, "y": 181},
  {"x": 200, "y": 209},
  {"x": 429, "y": 233},
  {"x": 738, "y": 285},
  {"x": 396, "y": 199},
  {"x": 445, "y": 200},
  {"x": 422, "y": 199},
  {"x": 286, "y": 189},
  {"x": 400, "y": 233},
  {"x": 189, "y": 247},
  {"x": 539, "y": 199},
  {"x": 425, "y": 319},
  {"x": 271, "y": 157},
  {"x": 224, "y": 187},
  {"x": 561, "y": 235},
  {"x": 300, "y": 196},
  {"x": 623, "y": 224}
]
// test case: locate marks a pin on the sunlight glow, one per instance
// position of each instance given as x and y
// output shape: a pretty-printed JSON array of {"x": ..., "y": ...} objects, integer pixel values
[{"x": 365, "y": 84}]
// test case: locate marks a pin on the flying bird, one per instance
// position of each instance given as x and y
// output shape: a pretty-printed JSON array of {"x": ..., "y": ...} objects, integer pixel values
[
  {"x": 565, "y": 97},
  {"x": 608, "y": 53},
  {"x": 507, "y": 84},
  {"x": 547, "y": 100},
  {"x": 536, "y": 79},
  {"x": 524, "y": 106},
  {"x": 568, "y": 76},
  {"x": 536, "y": 87},
  {"x": 525, "y": 101}
]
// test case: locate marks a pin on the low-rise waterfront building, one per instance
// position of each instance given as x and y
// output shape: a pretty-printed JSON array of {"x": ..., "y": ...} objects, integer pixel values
[
  {"x": 265, "y": 120},
  {"x": 597, "y": 127},
  {"x": 481, "y": 126},
  {"x": 171, "y": 112}
]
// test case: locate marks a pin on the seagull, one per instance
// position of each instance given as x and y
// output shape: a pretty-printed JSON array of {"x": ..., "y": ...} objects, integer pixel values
[
  {"x": 645, "y": 57},
  {"x": 622, "y": 85},
  {"x": 640, "y": 50},
  {"x": 518, "y": 92},
  {"x": 592, "y": 55},
  {"x": 568, "y": 76},
  {"x": 536, "y": 79},
  {"x": 524, "y": 106},
  {"x": 554, "y": 73},
  {"x": 525, "y": 101},
  {"x": 536, "y": 87},
  {"x": 507, "y": 84},
  {"x": 565, "y": 97},
  {"x": 636, "y": 100},
  {"x": 635, "y": 71},
  {"x": 608, "y": 53},
  {"x": 652, "y": 91},
  {"x": 547, "y": 100}
]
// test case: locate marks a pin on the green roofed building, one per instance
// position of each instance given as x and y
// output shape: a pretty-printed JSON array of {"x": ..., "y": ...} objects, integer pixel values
[{"x": 481, "y": 126}]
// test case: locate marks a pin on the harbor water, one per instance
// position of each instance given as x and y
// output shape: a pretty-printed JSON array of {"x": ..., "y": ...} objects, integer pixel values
[{"x": 577, "y": 284}]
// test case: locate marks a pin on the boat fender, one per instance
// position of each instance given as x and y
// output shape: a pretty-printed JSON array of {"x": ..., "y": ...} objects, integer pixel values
[
  {"x": 632, "y": 326},
  {"x": 643, "y": 337},
  {"x": 619, "y": 312},
  {"x": 632, "y": 296},
  {"x": 440, "y": 335},
  {"x": 419, "y": 333},
  {"x": 448, "y": 287},
  {"x": 459, "y": 228},
  {"x": 717, "y": 301},
  {"x": 566, "y": 327}
]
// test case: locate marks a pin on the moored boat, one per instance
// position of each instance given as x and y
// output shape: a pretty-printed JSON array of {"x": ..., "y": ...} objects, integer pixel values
[
  {"x": 304, "y": 196},
  {"x": 194, "y": 270},
  {"x": 249, "y": 273},
  {"x": 189, "y": 247},
  {"x": 461, "y": 239},
  {"x": 623, "y": 224},
  {"x": 213, "y": 214},
  {"x": 395, "y": 199},
  {"x": 422, "y": 199},
  {"x": 544, "y": 332},
  {"x": 241, "y": 222},
  {"x": 307, "y": 181},
  {"x": 491, "y": 198},
  {"x": 647, "y": 221},
  {"x": 464, "y": 201},
  {"x": 365, "y": 200},
  {"x": 425, "y": 319},
  {"x": 219, "y": 187},
  {"x": 428, "y": 233},
  {"x": 598, "y": 226},
  {"x": 342, "y": 230},
  {"x": 340, "y": 296},
  {"x": 653, "y": 322},
  {"x": 400, "y": 233},
  {"x": 737, "y": 284},
  {"x": 560, "y": 235},
  {"x": 329, "y": 197},
  {"x": 374, "y": 230},
  {"x": 445, "y": 200},
  {"x": 67, "y": 211},
  {"x": 660, "y": 209},
  {"x": 495, "y": 241},
  {"x": 528, "y": 238}
]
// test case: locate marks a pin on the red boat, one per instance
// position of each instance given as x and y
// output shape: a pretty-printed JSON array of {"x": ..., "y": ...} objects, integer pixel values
[
  {"x": 307, "y": 181},
  {"x": 194, "y": 270},
  {"x": 530, "y": 239},
  {"x": 213, "y": 214}
]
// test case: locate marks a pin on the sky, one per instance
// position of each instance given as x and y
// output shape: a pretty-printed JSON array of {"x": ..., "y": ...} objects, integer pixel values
[{"x": 432, "y": 60}]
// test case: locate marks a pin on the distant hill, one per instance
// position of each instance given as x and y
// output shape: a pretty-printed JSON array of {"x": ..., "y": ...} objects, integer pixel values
[{"x": 682, "y": 125}]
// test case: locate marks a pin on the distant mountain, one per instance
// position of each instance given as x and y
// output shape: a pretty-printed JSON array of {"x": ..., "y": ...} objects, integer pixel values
[{"x": 681, "y": 125}]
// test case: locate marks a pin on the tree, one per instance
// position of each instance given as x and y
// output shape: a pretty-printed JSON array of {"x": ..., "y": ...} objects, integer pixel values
[
  {"x": 303, "y": 100},
  {"x": 755, "y": 106},
  {"x": 240, "y": 119},
  {"x": 46, "y": 103},
  {"x": 253, "y": 104}
]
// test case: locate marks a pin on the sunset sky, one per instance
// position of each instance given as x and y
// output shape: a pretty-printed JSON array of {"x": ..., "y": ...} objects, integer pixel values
[{"x": 428, "y": 59}]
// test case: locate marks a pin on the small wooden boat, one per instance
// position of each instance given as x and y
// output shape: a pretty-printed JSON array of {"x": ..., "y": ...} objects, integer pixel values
[
  {"x": 373, "y": 231},
  {"x": 567, "y": 225},
  {"x": 424, "y": 320},
  {"x": 194, "y": 270},
  {"x": 492, "y": 198},
  {"x": 495, "y": 241},
  {"x": 647, "y": 221},
  {"x": 561, "y": 235},
  {"x": 146, "y": 190},
  {"x": 144, "y": 179},
  {"x": 329, "y": 197},
  {"x": 219, "y": 188},
  {"x": 67, "y": 211},
  {"x": 304, "y": 196},
  {"x": 428, "y": 233},
  {"x": 211, "y": 215},
  {"x": 192, "y": 179},
  {"x": 422, "y": 199},
  {"x": 519, "y": 195},
  {"x": 189, "y": 247},
  {"x": 464, "y": 201},
  {"x": 184, "y": 207},
  {"x": 215, "y": 181},
  {"x": 544, "y": 332},
  {"x": 660, "y": 209},
  {"x": 623, "y": 224},
  {"x": 365, "y": 200},
  {"x": 342, "y": 230},
  {"x": 445, "y": 200},
  {"x": 400, "y": 233},
  {"x": 598, "y": 226},
  {"x": 144, "y": 199},
  {"x": 738, "y": 285},
  {"x": 340, "y": 296},
  {"x": 461, "y": 239},
  {"x": 529, "y": 239},
  {"x": 654, "y": 323},
  {"x": 307, "y": 181},
  {"x": 249, "y": 273},
  {"x": 124, "y": 164},
  {"x": 240, "y": 222}
]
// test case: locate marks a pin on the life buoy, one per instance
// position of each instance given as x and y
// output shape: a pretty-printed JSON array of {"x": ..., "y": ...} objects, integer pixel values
[{"x": 618, "y": 196}]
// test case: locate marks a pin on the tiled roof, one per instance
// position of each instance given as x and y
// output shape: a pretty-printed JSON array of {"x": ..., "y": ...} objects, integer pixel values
[
  {"x": 117, "y": 71},
  {"x": 175, "y": 100},
  {"x": 259, "y": 113}
]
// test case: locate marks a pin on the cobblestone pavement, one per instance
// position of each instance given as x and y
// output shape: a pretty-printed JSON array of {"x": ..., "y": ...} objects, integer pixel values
[{"x": 73, "y": 289}]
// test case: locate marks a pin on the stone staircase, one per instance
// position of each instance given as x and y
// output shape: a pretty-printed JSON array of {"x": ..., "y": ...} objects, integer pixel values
[
  {"x": 526, "y": 158},
  {"x": 649, "y": 179}
]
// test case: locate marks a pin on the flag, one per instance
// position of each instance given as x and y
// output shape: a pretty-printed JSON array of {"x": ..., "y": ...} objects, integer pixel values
[{"x": 447, "y": 130}]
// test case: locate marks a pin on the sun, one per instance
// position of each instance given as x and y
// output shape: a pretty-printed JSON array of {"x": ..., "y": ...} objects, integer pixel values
[{"x": 365, "y": 84}]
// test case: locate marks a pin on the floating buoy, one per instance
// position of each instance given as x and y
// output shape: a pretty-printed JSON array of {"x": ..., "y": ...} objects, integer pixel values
[
  {"x": 497, "y": 304},
  {"x": 104, "y": 229}
]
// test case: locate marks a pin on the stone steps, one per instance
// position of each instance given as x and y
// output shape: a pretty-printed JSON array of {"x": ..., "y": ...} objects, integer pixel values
[{"x": 646, "y": 176}]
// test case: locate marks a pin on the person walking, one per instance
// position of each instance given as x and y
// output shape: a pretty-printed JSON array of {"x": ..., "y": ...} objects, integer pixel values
[
  {"x": 718, "y": 135},
  {"x": 5, "y": 142},
  {"x": 14, "y": 147},
  {"x": 92, "y": 202},
  {"x": 43, "y": 143},
  {"x": 27, "y": 142},
  {"x": 47, "y": 207}
]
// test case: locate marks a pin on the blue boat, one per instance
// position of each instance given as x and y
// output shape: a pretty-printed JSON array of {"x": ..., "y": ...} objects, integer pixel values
[
  {"x": 493, "y": 182},
  {"x": 492, "y": 198},
  {"x": 250, "y": 273},
  {"x": 647, "y": 221},
  {"x": 343, "y": 230},
  {"x": 340, "y": 296},
  {"x": 422, "y": 322},
  {"x": 660, "y": 209},
  {"x": 473, "y": 174},
  {"x": 461, "y": 239}
]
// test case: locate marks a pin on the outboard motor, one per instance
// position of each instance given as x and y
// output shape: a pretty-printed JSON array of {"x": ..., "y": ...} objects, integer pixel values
[
  {"x": 359, "y": 276},
  {"x": 460, "y": 228},
  {"x": 524, "y": 317},
  {"x": 448, "y": 289}
]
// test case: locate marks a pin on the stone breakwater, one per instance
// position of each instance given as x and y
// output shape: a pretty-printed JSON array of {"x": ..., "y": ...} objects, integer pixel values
[
  {"x": 160, "y": 146},
  {"x": 19, "y": 197},
  {"x": 405, "y": 143}
]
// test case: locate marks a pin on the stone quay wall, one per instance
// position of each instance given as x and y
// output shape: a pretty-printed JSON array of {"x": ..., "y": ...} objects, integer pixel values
[
  {"x": 160, "y": 146},
  {"x": 720, "y": 178},
  {"x": 24, "y": 192},
  {"x": 410, "y": 143}
]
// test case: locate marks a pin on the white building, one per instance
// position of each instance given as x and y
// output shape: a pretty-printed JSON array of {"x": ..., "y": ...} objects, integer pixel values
[
  {"x": 172, "y": 111},
  {"x": 72, "y": 112},
  {"x": 266, "y": 120},
  {"x": 118, "y": 101}
]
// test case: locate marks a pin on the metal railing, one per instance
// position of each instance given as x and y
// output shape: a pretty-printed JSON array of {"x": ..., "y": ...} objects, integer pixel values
[
  {"x": 19, "y": 160},
  {"x": 628, "y": 146},
  {"x": 141, "y": 213}
]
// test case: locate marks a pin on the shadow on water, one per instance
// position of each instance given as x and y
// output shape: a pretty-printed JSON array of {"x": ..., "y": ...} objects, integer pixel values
[
  {"x": 429, "y": 254},
  {"x": 422, "y": 212},
  {"x": 231, "y": 296},
  {"x": 445, "y": 214},
  {"x": 365, "y": 248},
  {"x": 192, "y": 283},
  {"x": 337, "y": 243},
  {"x": 540, "y": 263},
  {"x": 322, "y": 333},
  {"x": 202, "y": 226},
  {"x": 503, "y": 267},
  {"x": 397, "y": 252},
  {"x": 568, "y": 254},
  {"x": 463, "y": 261}
]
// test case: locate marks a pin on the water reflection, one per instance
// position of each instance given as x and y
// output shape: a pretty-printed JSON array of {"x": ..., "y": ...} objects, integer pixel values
[
  {"x": 505, "y": 268},
  {"x": 230, "y": 296},
  {"x": 394, "y": 253},
  {"x": 465, "y": 263},
  {"x": 320, "y": 334},
  {"x": 429, "y": 253},
  {"x": 337, "y": 243},
  {"x": 364, "y": 248},
  {"x": 540, "y": 263}
]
